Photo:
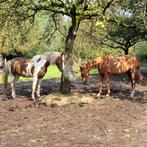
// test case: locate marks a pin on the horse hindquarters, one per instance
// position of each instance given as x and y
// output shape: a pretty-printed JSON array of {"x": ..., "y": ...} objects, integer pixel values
[{"x": 6, "y": 73}]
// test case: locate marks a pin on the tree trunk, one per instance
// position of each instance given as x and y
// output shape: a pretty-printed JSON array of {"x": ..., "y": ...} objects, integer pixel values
[
  {"x": 69, "y": 42},
  {"x": 1, "y": 61},
  {"x": 65, "y": 85},
  {"x": 126, "y": 50}
]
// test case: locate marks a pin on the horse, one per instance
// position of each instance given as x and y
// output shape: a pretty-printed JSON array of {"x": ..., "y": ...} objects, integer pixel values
[
  {"x": 35, "y": 67},
  {"x": 108, "y": 65}
]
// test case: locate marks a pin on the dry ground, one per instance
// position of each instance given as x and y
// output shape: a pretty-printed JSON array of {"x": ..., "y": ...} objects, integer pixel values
[{"x": 84, "y": 121}]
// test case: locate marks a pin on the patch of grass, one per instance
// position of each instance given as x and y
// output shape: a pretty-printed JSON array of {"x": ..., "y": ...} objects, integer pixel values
[
  {"x": 93, "y": 71},
  {"x": 52, "y": 72}
]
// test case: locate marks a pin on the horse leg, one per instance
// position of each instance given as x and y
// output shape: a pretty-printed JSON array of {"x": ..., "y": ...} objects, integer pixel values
[
  {"x": 132, "y": 76},
  {"x": 38, "y": 87},
  {"x": 35, "y": 80},
  {"x": 100, "y": 85},
  {"x": 133, "y": 82},
  {"x": 14, "y": 80},
  {"x": 108, "y": 85}
]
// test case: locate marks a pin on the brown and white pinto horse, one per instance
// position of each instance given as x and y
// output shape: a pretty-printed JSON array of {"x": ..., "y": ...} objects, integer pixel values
[
  {"x": 36, "y": 68},
  {"x": 108, "y": 65}
]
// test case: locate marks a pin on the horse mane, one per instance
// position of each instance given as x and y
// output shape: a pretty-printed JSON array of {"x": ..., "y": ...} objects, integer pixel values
[{"x": 93, "y": 63}]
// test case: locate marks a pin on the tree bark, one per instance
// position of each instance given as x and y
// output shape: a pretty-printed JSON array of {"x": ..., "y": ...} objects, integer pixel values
[
  {"x": 1, "y": 61},
  {"x": 69, "y": 43},
  {"x": 126, "y": 50}
]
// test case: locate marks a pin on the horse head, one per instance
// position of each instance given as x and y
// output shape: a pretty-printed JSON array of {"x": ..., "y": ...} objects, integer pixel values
[
  {"x": 60, "y": 61},
  {"x": 84, "y": 74}
]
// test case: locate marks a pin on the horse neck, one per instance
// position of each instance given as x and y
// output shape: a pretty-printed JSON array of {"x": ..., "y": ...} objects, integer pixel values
[
  {"x": 59, "y": 64},
  {"x": 51, "y": 57},
  {"x": 91, "y": 64}
]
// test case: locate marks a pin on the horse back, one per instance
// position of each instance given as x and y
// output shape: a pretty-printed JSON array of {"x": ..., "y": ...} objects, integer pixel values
[
  {"x": 118, "y": 65},
  {"x": 133, "y": 61}
]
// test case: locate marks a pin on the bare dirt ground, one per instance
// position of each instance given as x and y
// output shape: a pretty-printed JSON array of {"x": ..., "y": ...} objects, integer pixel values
[{"x": 117, "y": 121}]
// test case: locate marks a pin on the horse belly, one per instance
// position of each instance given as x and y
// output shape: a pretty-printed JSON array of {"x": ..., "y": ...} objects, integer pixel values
[
  {"x": 41, "y": 73},
  {"x": 118, "y": 70}
]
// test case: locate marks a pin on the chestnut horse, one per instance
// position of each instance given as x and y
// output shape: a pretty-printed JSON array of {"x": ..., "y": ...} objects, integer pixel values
[
  {"x": 108, "y": 65},
  {"x": 36, "y": 68}
]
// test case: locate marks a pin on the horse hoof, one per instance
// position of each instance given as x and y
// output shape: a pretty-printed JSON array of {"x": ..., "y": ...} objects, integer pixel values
[
  {"x": 98, "y": 95},
  {"x": 32, "y": 98},
  {"x": 38, "y": 95},
  {"x": 13, "y": 96},
  {"x": 107, "y": 95},
  {"x": 132, "y": 95}
]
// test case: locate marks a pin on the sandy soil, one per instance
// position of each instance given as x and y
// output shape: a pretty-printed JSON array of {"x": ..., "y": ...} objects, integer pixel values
[{"x": 117, "y": 121}]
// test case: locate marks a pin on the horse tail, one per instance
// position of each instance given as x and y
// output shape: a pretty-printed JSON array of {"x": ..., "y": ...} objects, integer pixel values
[
  {"x": 6, "y": 72},
  {"x": 141, "y": 78}
]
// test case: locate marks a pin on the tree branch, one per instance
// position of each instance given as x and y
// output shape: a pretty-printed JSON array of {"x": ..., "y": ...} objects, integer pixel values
[
  {"x": 55, "y": 24},
  {"x": 111, "y": 46},
  {"x": 107, "y": 6}
]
